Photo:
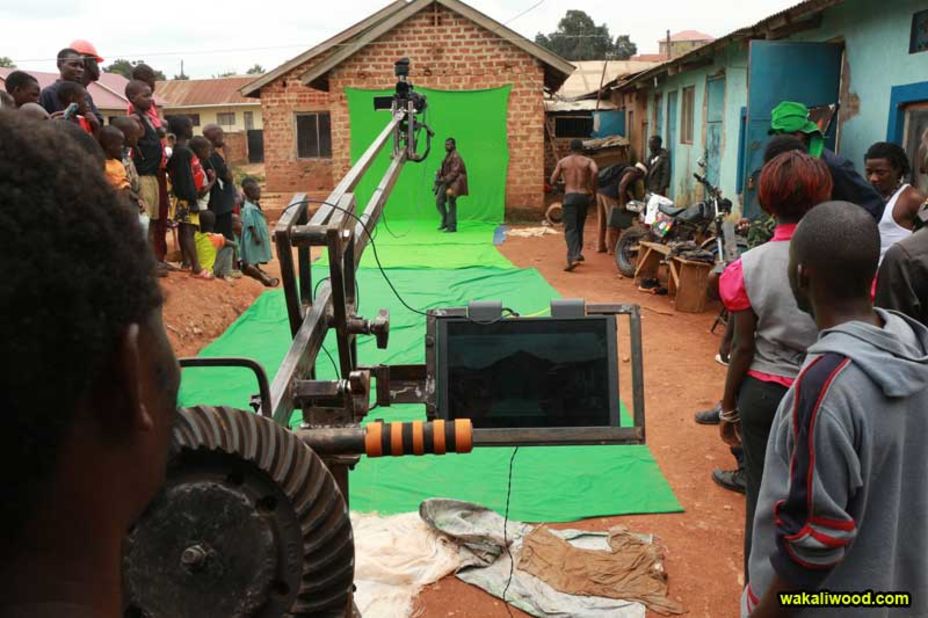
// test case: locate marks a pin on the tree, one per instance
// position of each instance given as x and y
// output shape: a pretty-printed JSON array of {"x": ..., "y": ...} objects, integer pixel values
[
  {"x": 6, "y": 63},
  {"x": 579, "y": 38},
  {"x": 124, "y": 67},
  {"x": 624, "y": 48},
  {"x": 255, "y": 70},
  {"x": 226, "y": 74},
  {"x": 182, "y": 75}
]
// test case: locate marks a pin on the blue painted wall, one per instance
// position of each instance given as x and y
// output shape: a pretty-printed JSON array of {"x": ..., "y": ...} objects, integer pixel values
[
  {"x": 732, "y": 63},
  {"x": 876, "y": 38}
]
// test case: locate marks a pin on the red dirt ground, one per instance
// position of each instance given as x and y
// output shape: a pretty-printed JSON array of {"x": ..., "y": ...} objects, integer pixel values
[{"x": 704, "y": 544}]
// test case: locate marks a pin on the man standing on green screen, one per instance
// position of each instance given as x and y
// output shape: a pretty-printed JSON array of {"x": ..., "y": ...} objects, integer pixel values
[{"x": 450, "y": 184}]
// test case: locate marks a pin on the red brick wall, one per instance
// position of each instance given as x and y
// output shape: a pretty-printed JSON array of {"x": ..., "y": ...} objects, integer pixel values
[{"x": 447, "y": 52}]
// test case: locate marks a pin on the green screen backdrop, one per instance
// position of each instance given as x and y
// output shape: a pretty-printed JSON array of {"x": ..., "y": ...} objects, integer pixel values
[{"x": 477, "y": 121}]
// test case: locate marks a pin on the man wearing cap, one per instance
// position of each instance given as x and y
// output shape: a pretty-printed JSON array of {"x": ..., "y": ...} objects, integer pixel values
[
  {"x": 92, "y": 62},
  {"x": 790, "y": 117}
]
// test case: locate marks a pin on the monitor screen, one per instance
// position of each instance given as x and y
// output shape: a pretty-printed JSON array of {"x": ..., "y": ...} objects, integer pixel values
[{"x": 528, "y": 372}]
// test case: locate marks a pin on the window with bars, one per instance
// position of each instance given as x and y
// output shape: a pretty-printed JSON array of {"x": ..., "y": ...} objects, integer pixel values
[
  {"x": 573, "y": 126},
  {"x": 225, "y": 119},
  {"x": 314, "y": 135}
]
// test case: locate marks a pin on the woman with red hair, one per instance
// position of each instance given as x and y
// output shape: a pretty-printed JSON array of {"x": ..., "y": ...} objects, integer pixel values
[{"x": 770, "y": 333}]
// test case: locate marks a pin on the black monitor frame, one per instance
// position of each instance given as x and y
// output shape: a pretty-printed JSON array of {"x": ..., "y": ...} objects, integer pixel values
[
  {"x": 606, "y": 323},
  {"x": 410, "y": 386}
]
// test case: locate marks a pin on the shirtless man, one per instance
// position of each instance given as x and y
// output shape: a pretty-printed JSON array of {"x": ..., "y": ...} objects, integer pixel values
[
  {"x": 580, "y": 187},
  {"x": 888, "y": 170}
]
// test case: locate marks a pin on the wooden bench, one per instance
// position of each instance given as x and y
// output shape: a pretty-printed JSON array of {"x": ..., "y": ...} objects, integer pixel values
[
  {"x": 687, "y": 281},
  {"x": 650, "y": 257}
]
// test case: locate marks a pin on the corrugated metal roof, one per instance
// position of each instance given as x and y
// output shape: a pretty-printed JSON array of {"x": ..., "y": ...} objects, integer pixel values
[
  {"x": 199, "y": 92},
  {"x": 802, "y": 10},
  {"x": 588, "y": 77},
  {"x": 107, "y": 94},
  {"x": 586, "y": 105}
]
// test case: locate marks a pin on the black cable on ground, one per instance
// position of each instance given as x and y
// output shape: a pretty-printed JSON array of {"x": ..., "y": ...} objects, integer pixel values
[{"x": 512, "y": 563}]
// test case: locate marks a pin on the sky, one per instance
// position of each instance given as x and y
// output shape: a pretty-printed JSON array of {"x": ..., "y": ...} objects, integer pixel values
[{"x": 269, "y": 32}]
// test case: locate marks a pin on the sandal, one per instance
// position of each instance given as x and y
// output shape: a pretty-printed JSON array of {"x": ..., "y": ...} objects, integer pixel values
[
  {"x": 203, "y": 274},
  {"x": 273, "y": 282}
]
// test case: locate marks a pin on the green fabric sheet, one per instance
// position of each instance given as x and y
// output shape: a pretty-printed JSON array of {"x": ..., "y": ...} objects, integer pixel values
[
  {"x": 431, "y": 269},
  {"x": 408, "y": 243},
  {"x": 549, "y": 483},
  {"x": 477, "y": 121}
]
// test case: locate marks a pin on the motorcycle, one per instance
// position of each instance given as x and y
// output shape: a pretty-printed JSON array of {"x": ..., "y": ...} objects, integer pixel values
[{"x": 703, "y": 223}]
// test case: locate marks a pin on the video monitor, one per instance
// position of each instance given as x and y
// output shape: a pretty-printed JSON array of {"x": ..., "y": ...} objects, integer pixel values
[{"x": 528, "y": 372}]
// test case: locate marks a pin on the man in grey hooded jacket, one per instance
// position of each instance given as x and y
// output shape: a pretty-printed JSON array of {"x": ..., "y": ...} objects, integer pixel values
[{"x": 843, "y": 506}]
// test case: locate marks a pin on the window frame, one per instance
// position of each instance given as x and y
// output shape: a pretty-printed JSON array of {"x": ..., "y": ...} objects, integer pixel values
[
  {"x": 573, "y": 120},
  {"x": 688, "y": 120},
  {"x": 221, "y": 115},
  {"x": 320, "y": 152}
]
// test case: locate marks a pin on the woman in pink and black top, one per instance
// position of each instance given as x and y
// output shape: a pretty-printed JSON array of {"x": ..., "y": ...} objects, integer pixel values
[{"x": 770, "y": 333}]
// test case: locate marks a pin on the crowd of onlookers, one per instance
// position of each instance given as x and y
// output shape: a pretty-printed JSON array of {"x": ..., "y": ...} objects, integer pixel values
[
  {"x": 825, "y": 387},
  {"x": 180, "y": 183}
]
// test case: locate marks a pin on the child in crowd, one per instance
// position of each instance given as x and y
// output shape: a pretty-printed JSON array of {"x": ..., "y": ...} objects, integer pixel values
[
  {"x": 112, "y": 141},
  {"x": 255, "y": 243},
  {"x": 202, "y": 149},
  {"x": 146, "y": 74},
  {"x": 72, "y": 93},
  {"x": 24, "y": 88},
  {"x": 188, "y": 180},
  {"x": 215, "y": 251},
  {"x": 132, "y": 130}
]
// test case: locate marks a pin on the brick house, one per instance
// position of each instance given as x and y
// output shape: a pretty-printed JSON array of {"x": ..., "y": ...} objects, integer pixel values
[
  {"x": 452, "y": 47},
  {"x": 218, "y": 101}
]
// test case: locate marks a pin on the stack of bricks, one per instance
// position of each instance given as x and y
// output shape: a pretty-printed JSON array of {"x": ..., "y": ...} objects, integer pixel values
[{"x": 448, "y": 52}]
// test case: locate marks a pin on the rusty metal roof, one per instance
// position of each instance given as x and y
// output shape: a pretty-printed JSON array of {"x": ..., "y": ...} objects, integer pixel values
[
  {"x": 204, "y": 92},
  {"x": 590, "y": 75},
  {"x": 108, "y": 93}
]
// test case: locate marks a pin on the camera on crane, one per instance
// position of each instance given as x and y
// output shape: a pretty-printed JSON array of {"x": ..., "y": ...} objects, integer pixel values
[
  {"x": 408, "y": 104},
  {"x": 404, "y": 94}
]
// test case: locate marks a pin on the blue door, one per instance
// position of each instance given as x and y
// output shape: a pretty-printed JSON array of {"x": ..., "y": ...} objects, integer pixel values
[
  {"x": 784, "y": 71},
  {"x": 715, "y": 111}
]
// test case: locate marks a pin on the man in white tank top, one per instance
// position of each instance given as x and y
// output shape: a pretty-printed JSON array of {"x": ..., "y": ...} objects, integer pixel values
[{"x": 888, "y": 169}]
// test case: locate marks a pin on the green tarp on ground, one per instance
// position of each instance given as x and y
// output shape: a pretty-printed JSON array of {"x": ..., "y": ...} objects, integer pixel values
[
  {"x": 549, "y": 483},
  {"x": 432, "y": 270}
]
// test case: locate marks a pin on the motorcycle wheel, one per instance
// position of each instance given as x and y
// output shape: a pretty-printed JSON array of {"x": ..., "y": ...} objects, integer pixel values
[{"x": 626, "y": 250}]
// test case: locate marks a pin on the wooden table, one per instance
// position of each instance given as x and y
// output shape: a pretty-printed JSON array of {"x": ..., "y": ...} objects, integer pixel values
[
  {"x": 687, "y": 282},
  {"x": 691, "y": 280}
]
